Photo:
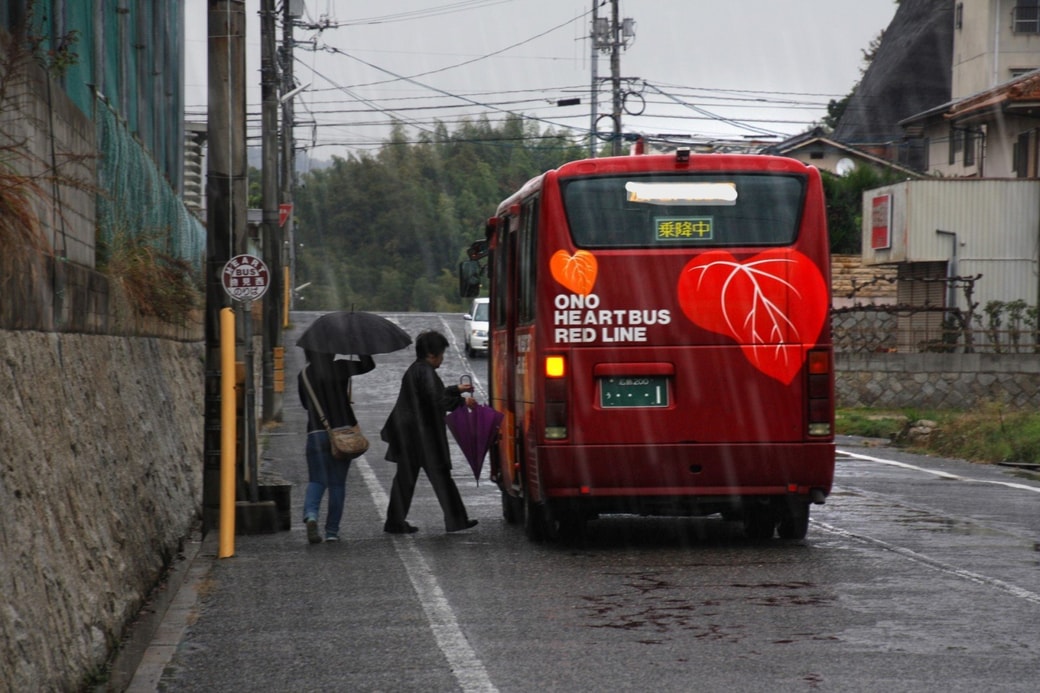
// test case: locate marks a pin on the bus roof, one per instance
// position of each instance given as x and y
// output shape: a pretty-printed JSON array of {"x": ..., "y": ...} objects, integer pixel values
[{"x": 647, "y": 163}]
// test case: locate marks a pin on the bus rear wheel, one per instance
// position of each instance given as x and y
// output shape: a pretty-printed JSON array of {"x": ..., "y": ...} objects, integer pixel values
[
  {"x": 512, "y": 508},
  {"x": 759, "y": 522},
  {"x": 794, "y": 521},
  {"x": 539, "y": 522}
]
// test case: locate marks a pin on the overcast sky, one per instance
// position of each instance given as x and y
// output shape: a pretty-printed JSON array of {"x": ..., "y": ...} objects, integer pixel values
[{"x": 709, "y": 69}]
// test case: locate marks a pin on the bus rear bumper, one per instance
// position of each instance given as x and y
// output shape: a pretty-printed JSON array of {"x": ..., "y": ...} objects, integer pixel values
[{"x": 685, "y": 478}]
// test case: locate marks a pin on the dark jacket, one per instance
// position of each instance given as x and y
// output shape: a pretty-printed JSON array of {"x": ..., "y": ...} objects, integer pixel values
[
  {"x": 415, "y": 430},
  {"x": 331, "y": 381}
]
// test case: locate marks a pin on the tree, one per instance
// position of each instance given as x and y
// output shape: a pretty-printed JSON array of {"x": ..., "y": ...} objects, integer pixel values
[
  {"x": 844, "y": 195},
  {"x": 386, "y": 231}
]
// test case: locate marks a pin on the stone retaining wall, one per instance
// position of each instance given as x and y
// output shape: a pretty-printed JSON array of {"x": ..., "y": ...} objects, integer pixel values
[
  {"x": 937, "y": 381},
  {"x": 100, "y": 481}
]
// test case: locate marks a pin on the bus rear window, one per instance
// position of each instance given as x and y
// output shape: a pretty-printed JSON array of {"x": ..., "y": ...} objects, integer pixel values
[{"x": 685, "y": 210}]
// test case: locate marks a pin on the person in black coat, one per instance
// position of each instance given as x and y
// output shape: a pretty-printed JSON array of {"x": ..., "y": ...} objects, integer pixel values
[
  {"x": 330, "y": 379},
  {"x": 417, "y": 437}
]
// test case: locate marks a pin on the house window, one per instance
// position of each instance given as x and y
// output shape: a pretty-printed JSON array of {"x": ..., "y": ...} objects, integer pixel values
[
  {"x": 955, "y": 144},
  {"x": 913, "y": 153},
  {"x": 969, "y": 147},
  {"x": 1020, "y": 156},
  {"x": 1025, "y": 18}
]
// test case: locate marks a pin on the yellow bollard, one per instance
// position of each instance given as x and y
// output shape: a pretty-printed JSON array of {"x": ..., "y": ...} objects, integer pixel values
[
  {"x": 228, "y": 423},
  {"x": 286, "y": 296},
  {"x": 278, "y": 354}
]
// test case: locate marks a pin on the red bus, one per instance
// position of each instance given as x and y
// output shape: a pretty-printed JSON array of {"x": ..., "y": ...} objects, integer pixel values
[{"x": 660, "y": 342}]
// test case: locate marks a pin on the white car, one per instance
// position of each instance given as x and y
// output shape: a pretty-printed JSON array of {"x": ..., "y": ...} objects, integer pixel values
[{"x": 475, "y": 325}]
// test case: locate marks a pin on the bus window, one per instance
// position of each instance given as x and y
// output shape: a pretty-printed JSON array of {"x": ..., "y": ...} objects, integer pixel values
[
  {"x": 725, "y": 210},
  {"x": 527, "y": 264},
  {"x": 499, "y": 281}
]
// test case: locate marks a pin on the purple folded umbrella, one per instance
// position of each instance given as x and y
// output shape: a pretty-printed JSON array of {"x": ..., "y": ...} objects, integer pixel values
[{"x": 474, "y": 429}]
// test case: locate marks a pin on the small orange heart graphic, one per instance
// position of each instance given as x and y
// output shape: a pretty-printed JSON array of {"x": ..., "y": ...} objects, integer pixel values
[{"x": 575, "y": 272}]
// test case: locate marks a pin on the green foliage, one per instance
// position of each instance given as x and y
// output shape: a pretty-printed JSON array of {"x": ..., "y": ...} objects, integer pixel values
[
  {"x": 989, "y": 433},
  {"x": 385, "y": 232},
  {"x": 869, "y": 423},
  {"x": 844, "y": 196},
  {"x": 835, "y": 110}
]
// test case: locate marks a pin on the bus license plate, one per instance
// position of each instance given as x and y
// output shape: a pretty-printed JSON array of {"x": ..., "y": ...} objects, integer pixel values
[{"x": 633, "y": 391}]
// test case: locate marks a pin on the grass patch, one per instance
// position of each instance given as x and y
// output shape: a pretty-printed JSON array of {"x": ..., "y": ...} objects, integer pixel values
[
  {"x": 990, "y": 433},
  {"x": 870, "y": 423},
  {"x": 156, "y": 283}
]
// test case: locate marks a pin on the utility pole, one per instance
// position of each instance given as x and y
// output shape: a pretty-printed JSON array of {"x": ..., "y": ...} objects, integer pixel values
[
  {"x": 594, "y": 62},
  {"x": 292, "y": 12},
  {"x": 608, "y": 35},
  {"x": 226, "y": 188},
  {"x": 272, "y": 243},
  {"x": 615, "y": 77}
]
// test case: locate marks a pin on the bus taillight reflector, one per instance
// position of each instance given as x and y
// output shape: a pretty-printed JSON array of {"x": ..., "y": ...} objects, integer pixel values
[
  {"x": 555, "y": 397},
  {"x": 818, "y": 391}
]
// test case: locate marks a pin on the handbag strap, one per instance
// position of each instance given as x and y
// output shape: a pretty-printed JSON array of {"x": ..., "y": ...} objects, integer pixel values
[{"x": 314, "y": 400}]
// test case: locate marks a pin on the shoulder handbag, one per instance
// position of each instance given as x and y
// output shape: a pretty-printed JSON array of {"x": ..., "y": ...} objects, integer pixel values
[{"x": 347, "y": 442}]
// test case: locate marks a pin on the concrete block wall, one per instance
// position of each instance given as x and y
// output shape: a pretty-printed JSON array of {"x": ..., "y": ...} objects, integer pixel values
[{"x": 936, "y": 381}]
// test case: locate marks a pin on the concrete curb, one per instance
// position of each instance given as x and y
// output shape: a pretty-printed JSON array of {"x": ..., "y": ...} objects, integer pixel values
[{"x": 152, "y": 641}]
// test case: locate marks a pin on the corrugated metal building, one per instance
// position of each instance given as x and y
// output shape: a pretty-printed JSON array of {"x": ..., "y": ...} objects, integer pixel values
[{"x": 931, "y": 230}]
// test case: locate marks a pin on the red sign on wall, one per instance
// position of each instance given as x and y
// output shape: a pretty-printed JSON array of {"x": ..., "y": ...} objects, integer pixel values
[{"x": 881, "y": 222}]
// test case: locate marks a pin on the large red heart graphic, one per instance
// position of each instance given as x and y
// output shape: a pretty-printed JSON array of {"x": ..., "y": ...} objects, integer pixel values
[{"x": 767, "y": 304}]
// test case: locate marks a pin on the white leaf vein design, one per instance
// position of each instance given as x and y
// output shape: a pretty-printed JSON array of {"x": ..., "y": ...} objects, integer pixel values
[{"x": 765, "y": 320}]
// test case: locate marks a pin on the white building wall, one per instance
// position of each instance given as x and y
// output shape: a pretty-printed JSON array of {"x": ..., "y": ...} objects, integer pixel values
[
  {"x": 986, "y": 51},
  {"x": 995, "y": 225}
]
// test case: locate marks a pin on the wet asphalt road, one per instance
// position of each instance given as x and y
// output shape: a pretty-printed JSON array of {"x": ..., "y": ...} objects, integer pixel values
[{"x": 919, "y": 574}]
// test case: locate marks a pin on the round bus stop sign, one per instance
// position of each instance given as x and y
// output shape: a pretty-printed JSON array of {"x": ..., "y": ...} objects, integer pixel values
[{"x": 245, "y": 278}]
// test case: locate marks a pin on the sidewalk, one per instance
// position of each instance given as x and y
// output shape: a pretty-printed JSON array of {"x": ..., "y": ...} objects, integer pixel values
[
  {"x": 281, "y": 614},
  {"x": 159, "y": 633},
  {"x": 161, "y": 629}
]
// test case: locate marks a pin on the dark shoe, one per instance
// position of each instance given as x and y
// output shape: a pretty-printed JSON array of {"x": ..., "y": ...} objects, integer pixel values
[
  {"x": 313, "y": 536},
  {"x": 403, "y": 528},
  {"x": 469, "y": 524}
]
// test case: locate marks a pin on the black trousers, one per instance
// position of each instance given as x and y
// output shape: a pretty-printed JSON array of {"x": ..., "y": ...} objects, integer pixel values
[{"x": 403, "y": 488}]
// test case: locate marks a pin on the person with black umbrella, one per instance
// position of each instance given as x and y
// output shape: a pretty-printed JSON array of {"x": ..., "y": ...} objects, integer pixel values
[
  {"x": 328, "y": 378},
  {"x": 337, "y": 333}
]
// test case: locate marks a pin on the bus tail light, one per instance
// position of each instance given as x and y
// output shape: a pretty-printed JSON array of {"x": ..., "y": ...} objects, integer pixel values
[
  {"x": 555, "y": 397},
  {"x": 818, "y": 390}
]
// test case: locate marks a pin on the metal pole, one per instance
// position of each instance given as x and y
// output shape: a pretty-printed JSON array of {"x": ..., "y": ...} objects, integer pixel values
[
  {"x": 594, "y": 98},
  {"x": 272, "y": 246},
  {"x": 225, "y": 217},
  {"x": 288, "y": 159},
  {"x": 615, "y": 76}
]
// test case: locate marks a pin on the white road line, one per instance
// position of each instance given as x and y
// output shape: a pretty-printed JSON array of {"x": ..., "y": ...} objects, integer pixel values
[
  {"x": 941, "y": 475},
  {"x": 1013, "y": 590},
  {"x": 468, "y": 669}
]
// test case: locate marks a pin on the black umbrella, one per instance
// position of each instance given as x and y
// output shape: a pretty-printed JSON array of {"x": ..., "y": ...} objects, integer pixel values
[{"x": 353, "y": 332}]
